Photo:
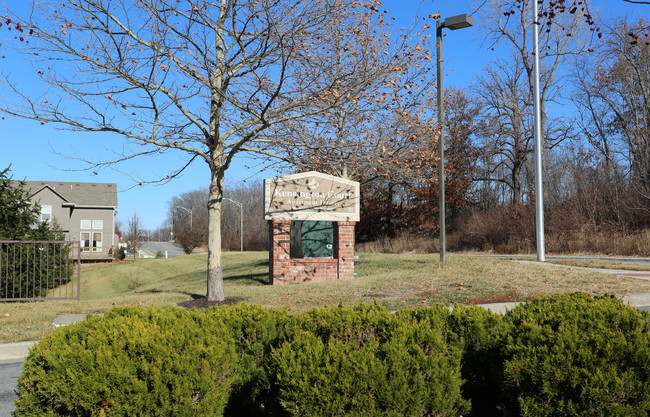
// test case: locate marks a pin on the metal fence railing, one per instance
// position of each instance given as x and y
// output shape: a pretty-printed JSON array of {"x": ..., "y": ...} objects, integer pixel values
[{"x": 40, "y": 270}]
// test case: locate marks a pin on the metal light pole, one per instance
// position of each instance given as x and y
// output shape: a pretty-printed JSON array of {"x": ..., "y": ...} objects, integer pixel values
[
  {"x": 189, "y": 211},
  {"x": 171, "y": 234},
  {"x": 452, "y": 23},
  {"x": 539, "y": 192},
  {"x": 241, "y": 223}
]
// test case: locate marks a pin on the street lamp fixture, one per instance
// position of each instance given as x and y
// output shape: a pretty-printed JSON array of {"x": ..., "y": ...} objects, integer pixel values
[
  {"x": 241, "y": 222},
  {"x": 451, "y": 23},
  {"x": 189, "y": 211}
]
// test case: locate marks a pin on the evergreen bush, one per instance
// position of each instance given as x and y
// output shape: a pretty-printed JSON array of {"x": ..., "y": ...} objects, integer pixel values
[
  {"x": 566, "y": 355},
  {"x": 571, "y": 355},
  {"x": 256, "y": 331},
  {"x": 119, "y": 253},
  {"x": 134, "y": 362},
  {"x": 366, "y": 361},
  {"x": 478, "y": 333}
]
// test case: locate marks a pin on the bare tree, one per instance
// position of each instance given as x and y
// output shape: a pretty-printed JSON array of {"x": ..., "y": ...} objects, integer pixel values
[
  {"x": 247, "y": 207},
  {"x": 613, "y": 99},
  {"x": 507, "y": 129},
  {"x": 563, "y": 34},
  {"x": 134, "y": 234},
  {"x": 189, "y": 213},
  {"x": 200, "y": 79}
]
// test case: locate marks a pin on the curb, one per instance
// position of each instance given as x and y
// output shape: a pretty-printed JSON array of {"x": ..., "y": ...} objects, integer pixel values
[{"x": 15, "y": 352}]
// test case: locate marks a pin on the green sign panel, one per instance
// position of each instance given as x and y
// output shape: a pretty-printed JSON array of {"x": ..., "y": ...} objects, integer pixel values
[{"x": 312, "y": 239}]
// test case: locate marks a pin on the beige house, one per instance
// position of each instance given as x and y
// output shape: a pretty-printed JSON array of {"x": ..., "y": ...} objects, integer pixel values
[{"x": 85, "y": 211}]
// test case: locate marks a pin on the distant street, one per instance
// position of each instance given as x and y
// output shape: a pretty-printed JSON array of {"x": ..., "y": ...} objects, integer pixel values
[
  {"x": 172, "y": 249},
  {"x": 9, "y": 373}
]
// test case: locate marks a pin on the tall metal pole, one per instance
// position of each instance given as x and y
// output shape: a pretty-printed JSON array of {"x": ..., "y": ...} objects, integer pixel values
[
  {"x": 539, "y": 192},
  {"x": 189, "y": 211},
  {"x": 441, "y": 145},
  {"x": 241, "y": 227}
]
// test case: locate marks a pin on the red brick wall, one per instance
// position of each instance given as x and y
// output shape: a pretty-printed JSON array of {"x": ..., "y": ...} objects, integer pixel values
[{"x": 284, "y": 270}]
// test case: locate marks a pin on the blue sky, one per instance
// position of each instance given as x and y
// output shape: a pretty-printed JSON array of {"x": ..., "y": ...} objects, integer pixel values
[{"x": 36, "y": 152}]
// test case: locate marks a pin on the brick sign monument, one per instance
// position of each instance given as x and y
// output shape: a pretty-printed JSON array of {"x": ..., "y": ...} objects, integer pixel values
[{"x": 311, "y": 223}]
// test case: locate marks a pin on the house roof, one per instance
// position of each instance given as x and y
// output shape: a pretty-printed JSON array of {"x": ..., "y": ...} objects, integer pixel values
[{"x": 86, "y": 194}]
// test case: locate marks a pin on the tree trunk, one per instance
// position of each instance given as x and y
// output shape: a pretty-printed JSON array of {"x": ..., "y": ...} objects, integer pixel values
[
  {"x": 516, "y": 184},
  {"x": 215, "y": 290}
]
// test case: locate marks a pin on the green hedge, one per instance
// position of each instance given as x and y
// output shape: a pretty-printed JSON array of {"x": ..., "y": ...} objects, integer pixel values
[
  {"x": 365, "y": 361},
  {"x": 256, "y": 331},
  {"x": 146, "y": 362},
  {"x": 567, "y": 355},
  {"x": 571, "y": 355},
  {"x": 479, "y": 332}
]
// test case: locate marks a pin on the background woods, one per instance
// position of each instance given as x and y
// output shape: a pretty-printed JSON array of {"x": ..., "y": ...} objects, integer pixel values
[{"x": 595, "y": 150}]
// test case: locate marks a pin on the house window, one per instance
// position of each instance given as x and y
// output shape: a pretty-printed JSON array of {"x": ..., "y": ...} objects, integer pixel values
[
  {"x": 46, "y": 213},
  {"x": 91, "y": 241},
  {"x": 97, "y": 241},
  {"x": 85, "y": 241},
  {"x": 85, "y": 224},
  {"x": 98, "y": 224}
]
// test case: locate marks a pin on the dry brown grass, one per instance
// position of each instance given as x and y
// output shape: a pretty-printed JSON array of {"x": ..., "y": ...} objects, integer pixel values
[
  {"x": 405, "y": 243},
  {"x": 606, "y": 243},
  {"x": 574, "y": 243}
]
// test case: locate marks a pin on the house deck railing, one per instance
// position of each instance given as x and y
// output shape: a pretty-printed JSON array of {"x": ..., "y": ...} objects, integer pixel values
[{"x": 96, "y": 253}]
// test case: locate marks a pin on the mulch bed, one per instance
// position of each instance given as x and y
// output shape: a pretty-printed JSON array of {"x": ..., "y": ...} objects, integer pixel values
[{"x": 204, "y": 303}]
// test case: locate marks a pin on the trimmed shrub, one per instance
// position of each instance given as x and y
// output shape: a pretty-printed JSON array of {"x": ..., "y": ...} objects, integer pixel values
[
  {"x": 479, "y": 332},
  {"x": 566, "y": 355},
  {"x": 256, "y": 331},
  {"x": 119, "y": 253},
  {"x": 366, "y": 361},
  {"x": 134, "y": 362},
  {"x": 571, "y": 355}
]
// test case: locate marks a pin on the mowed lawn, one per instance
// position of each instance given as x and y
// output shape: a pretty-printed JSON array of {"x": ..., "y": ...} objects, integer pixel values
[{"x": 395, "y": 281}]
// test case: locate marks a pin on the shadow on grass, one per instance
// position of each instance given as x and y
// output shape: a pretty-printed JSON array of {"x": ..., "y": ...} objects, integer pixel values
[
  {"x": 261, "y": 264},
  {"x": 249, "y": 279},
  {"x": 157, "y": 291}
]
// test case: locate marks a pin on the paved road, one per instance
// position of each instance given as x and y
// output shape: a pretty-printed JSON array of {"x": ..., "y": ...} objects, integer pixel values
[
  {"x": 172, "y": 248},
  {"x": 9, "y": 373}
]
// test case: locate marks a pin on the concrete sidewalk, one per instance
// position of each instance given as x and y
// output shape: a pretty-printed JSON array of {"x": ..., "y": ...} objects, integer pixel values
[
  {"x": 16, "y": 352},
  {"x": 643, "y": 275},
  {"x": 640, "y": 301}
]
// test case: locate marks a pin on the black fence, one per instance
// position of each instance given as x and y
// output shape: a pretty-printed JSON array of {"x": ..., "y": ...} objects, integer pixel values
[{"x": 40, "y": 270}]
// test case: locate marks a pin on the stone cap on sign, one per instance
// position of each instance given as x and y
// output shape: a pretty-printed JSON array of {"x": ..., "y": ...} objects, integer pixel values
[{"x": 311, "y": 196}]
